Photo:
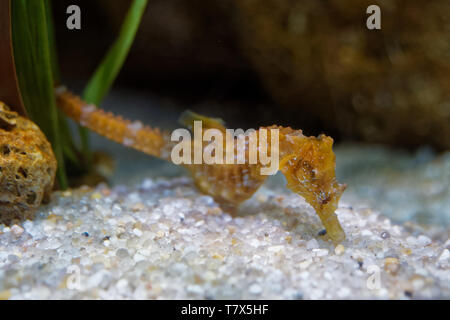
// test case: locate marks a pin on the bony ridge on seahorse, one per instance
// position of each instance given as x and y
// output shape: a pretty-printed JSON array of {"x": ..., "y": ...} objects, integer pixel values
[{"x": 308, "y": 163}]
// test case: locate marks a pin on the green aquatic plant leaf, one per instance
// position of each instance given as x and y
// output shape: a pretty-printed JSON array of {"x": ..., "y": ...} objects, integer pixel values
[
  {"x": 72, "y": 157},
  {"x": 35, "y": 61},
  {"x": 37, "y": 69},
  {"x": 108, "y": 70},
  {"x": 51, "y": 40}
]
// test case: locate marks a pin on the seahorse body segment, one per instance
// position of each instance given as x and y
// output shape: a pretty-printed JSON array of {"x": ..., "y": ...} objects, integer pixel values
[{"x": 308, "y": 163}]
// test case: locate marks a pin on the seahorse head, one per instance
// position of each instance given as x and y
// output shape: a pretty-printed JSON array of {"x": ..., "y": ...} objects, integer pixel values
[{"x": 308, "y": 163}]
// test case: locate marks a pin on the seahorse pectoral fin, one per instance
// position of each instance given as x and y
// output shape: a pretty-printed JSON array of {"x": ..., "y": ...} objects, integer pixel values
[{"x": 188, "y": 117}]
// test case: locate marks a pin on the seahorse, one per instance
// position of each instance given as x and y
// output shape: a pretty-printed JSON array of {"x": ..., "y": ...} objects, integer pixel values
[{"x": 308, "y": 163}]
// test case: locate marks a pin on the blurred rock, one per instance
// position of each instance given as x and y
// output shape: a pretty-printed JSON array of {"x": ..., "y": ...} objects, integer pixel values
[{"x": 318, "y": 59}]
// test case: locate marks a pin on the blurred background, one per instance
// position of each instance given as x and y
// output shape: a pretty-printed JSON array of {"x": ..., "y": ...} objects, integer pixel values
[
  {"x": 383, "y": 95},
  {"x": 310, "y": 64}
]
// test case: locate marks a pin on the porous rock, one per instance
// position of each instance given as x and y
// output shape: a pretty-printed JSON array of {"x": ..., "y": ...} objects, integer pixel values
[{"x": 27, "y": 166}]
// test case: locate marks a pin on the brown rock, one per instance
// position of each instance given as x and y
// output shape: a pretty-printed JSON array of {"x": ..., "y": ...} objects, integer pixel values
[
  {"x": 27, "y": 166},
  {"x": 318, "y": 59}
]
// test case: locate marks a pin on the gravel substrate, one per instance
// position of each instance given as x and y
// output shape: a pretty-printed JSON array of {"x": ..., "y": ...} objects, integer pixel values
[{"x": 163, "y": 240}]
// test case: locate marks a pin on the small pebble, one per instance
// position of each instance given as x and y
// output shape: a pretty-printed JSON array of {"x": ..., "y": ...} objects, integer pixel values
[
  {"x": 423, "y": 240},
  {"x": 320, "y": 252},
  {"x": 312, "y": 244},
  {"x": 305, "y": 264},
  {"x": 96, "y": 196},
  {"x": 137, "y": 232},
  {"x": 445, "y": 255},
  {"x": 255, "y": 289},
  {"x": 391, "y": 265},
  {"x": 385, "y": 235},
  {"x": 339, "y": 250},
  {"x": 5, "y": 295},
  {"x": 408, "y": 293},
  {"x": 122, "y": 253},
  {"x": 17, "y": 230},
  {"x": 366, "y": 233}
]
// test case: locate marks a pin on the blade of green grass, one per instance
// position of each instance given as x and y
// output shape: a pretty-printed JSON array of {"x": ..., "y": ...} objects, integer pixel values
[
  {"x": 52, "y": 41},
  {"x": 72, "y": 157},
  {"x": 105, "y": 74},
  {"x": 34, "y": 64}
]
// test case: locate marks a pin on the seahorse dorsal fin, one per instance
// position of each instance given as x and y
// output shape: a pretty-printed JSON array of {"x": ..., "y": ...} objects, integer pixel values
[{"x": 188, "y": 117}]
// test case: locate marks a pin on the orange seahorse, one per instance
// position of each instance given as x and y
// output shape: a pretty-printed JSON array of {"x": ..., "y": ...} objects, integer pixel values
[{"x": 308, "y": 163}]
